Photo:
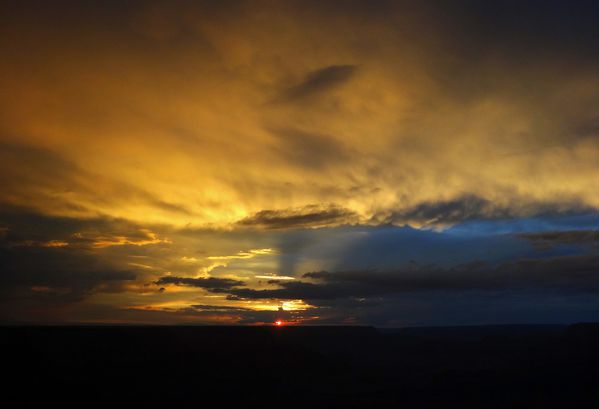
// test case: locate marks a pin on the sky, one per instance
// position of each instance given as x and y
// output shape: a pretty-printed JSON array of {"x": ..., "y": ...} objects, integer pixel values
[{"x": 387, "y": 163}]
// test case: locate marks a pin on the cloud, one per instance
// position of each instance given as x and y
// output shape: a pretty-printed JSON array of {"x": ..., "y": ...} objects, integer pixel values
[
  {"x": 457, "y": 210},
  {"x": 563, "y": 275},
  {"x": 143, "y": 237},
  {"x": 56, "y": 267},
  {"x": 213, "y": 314},
  {"x": 39, "y": 283},
  {"x": 369, "y": 268},
  {"x": 49, "y": 251},
  {"x": 241, "y": 255},
  {"x": 554, "y": 289},
  {"x": 221, "y": 308},
  {"x": 274, "y": 278},
  {"x": 140, "y": 141},
  {"x": 318, "y": 82},
  {"x": 209, "y": 283},
  {"x": 471, "y": 207},
  {"x": 548, "y": 239},
  {"x": 308, "y": 216},
  {"x": 241, "y": 316},
  {"x": 54, "y": 264},
  {"x": 47, "y": 182},
  {"x": 25, "y": 226},
  {"x": 384, "y": 111},
  {"x": 310, "y": 150}
]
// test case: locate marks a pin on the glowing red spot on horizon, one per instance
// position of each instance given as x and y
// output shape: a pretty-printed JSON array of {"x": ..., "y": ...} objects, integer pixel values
[{"x": 279, "y": 323}]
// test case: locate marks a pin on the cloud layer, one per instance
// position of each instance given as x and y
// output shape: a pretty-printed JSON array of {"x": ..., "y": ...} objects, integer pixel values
[{"x": 213, "y": 115}]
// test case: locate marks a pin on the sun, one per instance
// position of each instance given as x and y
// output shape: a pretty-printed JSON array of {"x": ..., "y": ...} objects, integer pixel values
[{"x": 278, "y": 323}]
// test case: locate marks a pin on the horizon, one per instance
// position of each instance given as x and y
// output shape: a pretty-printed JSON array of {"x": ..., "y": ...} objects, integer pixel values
[{"x": 283, "y": 325}]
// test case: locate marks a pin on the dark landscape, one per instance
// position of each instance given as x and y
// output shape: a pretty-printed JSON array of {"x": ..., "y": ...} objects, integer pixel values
[{"x": 308, "y": 367}]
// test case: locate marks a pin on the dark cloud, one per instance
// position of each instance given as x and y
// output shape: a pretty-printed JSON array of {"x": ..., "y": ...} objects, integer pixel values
[
  {"x": 564, "y": 274},
  {"x": 45, "y": 252},
  {"x": 460, "y": 209},
  {"x": 44, "y": 283},
  {"x": 308, "y": 216},
  {"x": 548, "y": 239},
  {"x": 23, "y": 226},
  {"x": 472, "y": 207},
  {"x": 318, "y": 82},
  {"x": 295, "y": 290},
  {"x": 209, "y": 283},
  {"x": 57, "y": 268},
  {"x": 53, "y": 263}
]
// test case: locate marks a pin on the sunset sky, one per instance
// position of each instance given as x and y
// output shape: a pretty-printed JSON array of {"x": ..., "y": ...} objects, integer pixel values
[{"x": 387, "y": 163}]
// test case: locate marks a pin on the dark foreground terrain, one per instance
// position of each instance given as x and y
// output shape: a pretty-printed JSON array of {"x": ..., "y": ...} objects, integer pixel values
[{"x": 302, "y": 367}]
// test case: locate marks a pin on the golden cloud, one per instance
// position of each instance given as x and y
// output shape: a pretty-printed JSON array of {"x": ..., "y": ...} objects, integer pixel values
[{"x": 194, "y": 114}]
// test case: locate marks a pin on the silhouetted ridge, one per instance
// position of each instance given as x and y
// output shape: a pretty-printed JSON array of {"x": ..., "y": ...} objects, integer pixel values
[{"x": 316, "y": 367}]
